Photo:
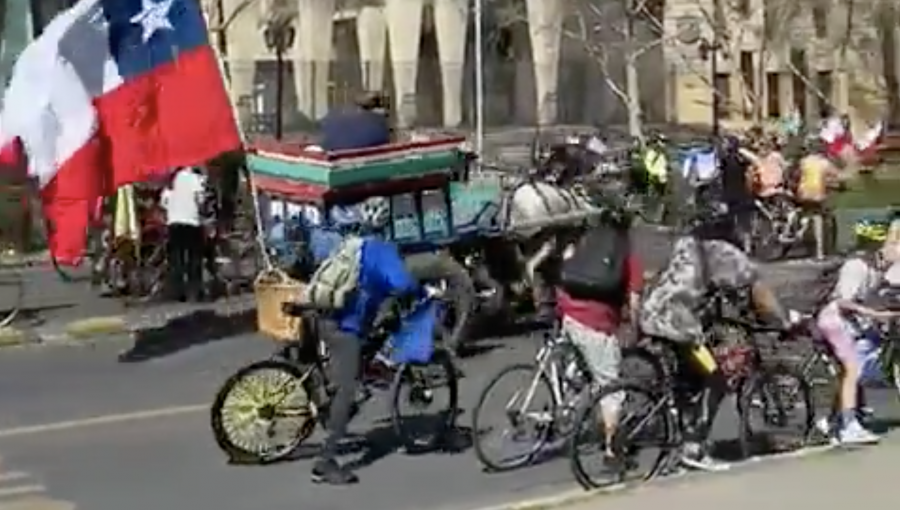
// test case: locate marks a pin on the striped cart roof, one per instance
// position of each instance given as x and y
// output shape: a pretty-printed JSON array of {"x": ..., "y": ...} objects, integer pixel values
[{"x": 295, "y": 171}]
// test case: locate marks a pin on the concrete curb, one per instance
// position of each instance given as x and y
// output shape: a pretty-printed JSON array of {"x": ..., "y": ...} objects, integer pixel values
[
  {"x": 578, "y": 496},
  {"x": 153, "y": 327},
  {"x": 75, "y": 332}
]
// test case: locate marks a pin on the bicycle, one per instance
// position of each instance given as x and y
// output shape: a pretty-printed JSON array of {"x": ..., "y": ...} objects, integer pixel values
[
  {"x": 660, "y": 422},
  {"x": 820, "y": 367},
  {"x": 560, "y": 369},
  {"x": 293, "y": 387}
]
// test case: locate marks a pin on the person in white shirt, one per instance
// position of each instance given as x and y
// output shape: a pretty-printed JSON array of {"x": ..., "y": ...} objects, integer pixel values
[
  {"x": 183, "y": 202},
  {"x": 857, "y": 279}
]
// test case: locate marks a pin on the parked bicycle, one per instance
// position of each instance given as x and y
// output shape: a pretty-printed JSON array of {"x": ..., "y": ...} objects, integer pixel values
[
  {"x": 655, "y": 414},
  {"x": 267, "y": 409}
]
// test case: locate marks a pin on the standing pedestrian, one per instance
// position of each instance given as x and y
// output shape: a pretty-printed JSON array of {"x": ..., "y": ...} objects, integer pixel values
[
  {"x": 182, "y": 200},
  {"x": 736, "y": 191}
]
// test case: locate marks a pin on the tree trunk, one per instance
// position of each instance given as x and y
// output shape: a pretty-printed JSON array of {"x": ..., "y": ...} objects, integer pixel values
[
  {"x": 632, "y": 80},
  {"x": 888, "y": 42}
]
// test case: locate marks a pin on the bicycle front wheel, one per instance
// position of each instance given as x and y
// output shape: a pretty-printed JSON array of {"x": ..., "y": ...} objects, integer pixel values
[
  {"x": 417, "y": 386},
  {"x": 611, "y": 447},
  {"x": 527, "y": 411},
  {"x": 263, "y": 412},
  {"x": 776, "y": 410}
]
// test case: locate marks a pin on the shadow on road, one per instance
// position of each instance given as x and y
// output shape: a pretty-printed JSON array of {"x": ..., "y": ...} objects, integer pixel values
[
  {"x": 197, "y": 328},
  {"x": 380, "y": 442}
]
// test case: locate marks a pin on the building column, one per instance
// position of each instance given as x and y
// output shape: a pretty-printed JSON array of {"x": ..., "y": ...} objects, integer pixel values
[
  {"x": 243, "y": 38},
  {"x": 404, "y": 23},
  {"x": 371, "y": 32},
  {"x": 451, "y": 20},
  {"x": 545, "y": 19},
  {"x": 313, "y": 48}
]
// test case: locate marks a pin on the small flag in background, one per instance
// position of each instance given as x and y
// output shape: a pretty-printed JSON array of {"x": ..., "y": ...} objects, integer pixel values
[{"x": 114, "y": 92}]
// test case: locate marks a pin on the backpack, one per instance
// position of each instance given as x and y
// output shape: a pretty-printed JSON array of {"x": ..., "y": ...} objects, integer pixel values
[
  {"x": 597, "y": 268},
  {"x": 332, "y": 284}
]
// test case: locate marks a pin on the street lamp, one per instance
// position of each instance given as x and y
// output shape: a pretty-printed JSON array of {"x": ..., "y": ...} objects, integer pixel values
[
  {"x": 689, "y": 34},
  {"x": 279, "y": 36}
]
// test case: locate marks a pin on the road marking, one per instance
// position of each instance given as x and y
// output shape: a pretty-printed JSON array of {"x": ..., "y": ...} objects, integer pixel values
[
  {"x": 11, "y": 476},
  {"x": 37, "y": 503},
  {"x": 20, "y": 490},
  {"x": 109, "y": 419}
]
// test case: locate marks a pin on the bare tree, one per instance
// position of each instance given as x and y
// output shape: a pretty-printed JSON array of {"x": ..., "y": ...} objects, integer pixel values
[
  {"x": 774, "y": 32},
  {"x": 605, "y": 30}
]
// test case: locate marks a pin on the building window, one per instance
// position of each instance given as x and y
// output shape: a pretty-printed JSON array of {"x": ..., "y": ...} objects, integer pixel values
[
  {"x": 820, "y": 19},
  {"x": 722, "y": 86},
  {"x": 825, "y": 84},
  {"x": 773, "y": 93},
  {"x": 748, "y": 76}
]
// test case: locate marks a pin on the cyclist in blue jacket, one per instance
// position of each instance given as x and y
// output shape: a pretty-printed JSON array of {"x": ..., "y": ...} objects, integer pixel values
[{"x": 382, "y": 276}]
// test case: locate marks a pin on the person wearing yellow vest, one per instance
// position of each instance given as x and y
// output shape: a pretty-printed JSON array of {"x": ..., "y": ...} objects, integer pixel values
[{"x": 816, "y": 170}]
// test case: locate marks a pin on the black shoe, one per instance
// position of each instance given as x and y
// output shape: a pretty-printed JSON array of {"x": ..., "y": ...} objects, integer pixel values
[{"x": 330, "y": 472}]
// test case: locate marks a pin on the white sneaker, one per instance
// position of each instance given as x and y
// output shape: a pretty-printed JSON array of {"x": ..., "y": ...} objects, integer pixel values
[
  {"x": 826, "y": 428},
  {"x": 854, "y": 433},
  {"x": 823, "y": 425},
  {"x": 695, "y": 457}
]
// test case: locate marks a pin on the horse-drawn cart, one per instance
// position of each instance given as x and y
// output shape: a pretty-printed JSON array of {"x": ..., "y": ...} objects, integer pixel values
[{"x": 455, "y": 230}]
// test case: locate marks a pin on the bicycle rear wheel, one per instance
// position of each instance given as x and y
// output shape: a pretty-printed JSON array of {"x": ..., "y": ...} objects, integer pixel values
[
  {"x": 777, "y": 412},
  {"x": 415, "y": 385},
  {"x": 644, "y": 424},
  {"x": 526, "y": 418},
  {"x": 263, "y": 412}
]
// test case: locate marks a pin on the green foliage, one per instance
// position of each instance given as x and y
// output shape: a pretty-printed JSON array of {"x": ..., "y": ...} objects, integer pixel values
[{"x": 869, "y": 192}]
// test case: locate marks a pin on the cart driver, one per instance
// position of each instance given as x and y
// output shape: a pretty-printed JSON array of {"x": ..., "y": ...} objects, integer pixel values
[{"x": 361, "y": 127}]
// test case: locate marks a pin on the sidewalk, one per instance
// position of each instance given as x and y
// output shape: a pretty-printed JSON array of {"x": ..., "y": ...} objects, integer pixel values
[{"x": 832, "y": 480}]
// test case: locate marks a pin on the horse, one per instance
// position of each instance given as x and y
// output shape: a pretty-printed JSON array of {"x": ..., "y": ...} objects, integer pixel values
[{"x": 538, "y": 219}]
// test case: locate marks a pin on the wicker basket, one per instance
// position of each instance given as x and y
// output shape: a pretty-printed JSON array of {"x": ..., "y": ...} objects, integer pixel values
[{"x": 273, "y": 288}]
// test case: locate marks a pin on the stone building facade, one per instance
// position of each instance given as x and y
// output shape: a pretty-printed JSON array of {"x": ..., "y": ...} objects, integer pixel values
[{"x": 538, "y": 69}]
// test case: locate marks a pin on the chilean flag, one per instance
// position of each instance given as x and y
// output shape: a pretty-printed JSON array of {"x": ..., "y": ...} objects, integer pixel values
[{"x": 113, "y": 92}]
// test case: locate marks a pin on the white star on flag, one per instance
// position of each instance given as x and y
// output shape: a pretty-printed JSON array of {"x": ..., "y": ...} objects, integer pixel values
[{"x": 153, "y": 16}]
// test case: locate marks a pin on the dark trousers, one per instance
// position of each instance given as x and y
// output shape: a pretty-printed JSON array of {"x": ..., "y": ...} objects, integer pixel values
[
  {"x": 346, "y": 355},
  {"x": 184, "y": 252}
]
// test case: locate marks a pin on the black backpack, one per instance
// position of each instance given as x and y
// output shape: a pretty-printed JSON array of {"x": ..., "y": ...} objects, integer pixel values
[{"x": 597, "y": 270}]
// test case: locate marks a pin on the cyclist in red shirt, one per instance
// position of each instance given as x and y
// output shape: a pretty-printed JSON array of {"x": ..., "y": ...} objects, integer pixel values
[{"x": 592, "y": 322}]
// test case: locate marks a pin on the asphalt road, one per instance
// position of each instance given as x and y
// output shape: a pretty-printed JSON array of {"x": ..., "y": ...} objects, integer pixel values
[{"x": 154, "y": 448}]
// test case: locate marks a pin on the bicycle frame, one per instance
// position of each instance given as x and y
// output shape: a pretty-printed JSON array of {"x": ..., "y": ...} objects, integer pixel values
[{"x": 545, "y": 364}]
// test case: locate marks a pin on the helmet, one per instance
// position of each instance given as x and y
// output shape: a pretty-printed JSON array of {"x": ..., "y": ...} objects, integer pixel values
[{"x": 374, "y": 213}]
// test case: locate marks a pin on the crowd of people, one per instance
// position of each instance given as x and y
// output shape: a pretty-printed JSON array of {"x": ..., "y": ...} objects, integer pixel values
[{"x": 599, "y": 286}]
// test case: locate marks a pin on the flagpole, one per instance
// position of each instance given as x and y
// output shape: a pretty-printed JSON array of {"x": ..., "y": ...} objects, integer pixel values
[
  {"x": 479, "y": 78},
  {"x": 254, "y": 191}
]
